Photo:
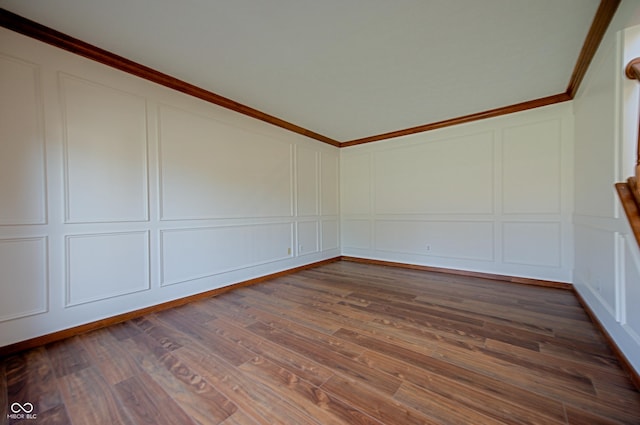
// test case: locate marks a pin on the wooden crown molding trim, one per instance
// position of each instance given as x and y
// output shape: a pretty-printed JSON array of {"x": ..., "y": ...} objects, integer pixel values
[
  {"x": 505, "y": 110},
  {"x": 8, "y": 350},
  {"x": 55, "y": 38},
  {"x": 601, "y": 20},
  {"x": 481, "y": 275}
]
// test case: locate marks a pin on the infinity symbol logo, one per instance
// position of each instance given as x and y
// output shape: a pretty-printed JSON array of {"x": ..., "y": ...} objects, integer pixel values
[{"x": 25, "y": 407}]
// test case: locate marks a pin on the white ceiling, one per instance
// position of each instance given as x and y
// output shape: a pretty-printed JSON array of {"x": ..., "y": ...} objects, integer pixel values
[{"x": 346, "y": 69}]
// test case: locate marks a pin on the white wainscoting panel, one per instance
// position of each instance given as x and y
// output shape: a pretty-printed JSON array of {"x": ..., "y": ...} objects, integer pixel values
[
  {"x": 469, "y": 240},
  {"x": 329, "y": 184},
  {"x": 356, "y": 234},
  {"x": 596, "y": 254},
  {"x": 308, "y": 237},
  {"x": 491, "y": 196},
  {"x": 102, "y": 266},
  {"x": 531, "y": 168},
  {"x": 330, "y": 235},
  {"x": 24, "y": 277},
  {"x": 452, "y": 176},
  {"x": 190, "y": 254},
  {"x": 355, "y": 190},
  {"x": 213, "y": 170},
  {"x": 22, "y": 169},
  {"x": 307, "y": 182},
  {"x": 532, "y": 244},
  {"x": 118, "y": 194},
  {"x": 105, "y": 153}
]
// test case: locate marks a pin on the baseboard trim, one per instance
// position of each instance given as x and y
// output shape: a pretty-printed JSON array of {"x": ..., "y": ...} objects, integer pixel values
[
  {"x": 625, "y": 363},
  {"x": 98, "y": 324},
  {"x": 102, "y": 323},
  {"x": 503, "y": 278}
]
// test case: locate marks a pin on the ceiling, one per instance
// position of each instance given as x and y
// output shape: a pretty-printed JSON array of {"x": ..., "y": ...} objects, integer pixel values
[{"x": 346, "y": 69}]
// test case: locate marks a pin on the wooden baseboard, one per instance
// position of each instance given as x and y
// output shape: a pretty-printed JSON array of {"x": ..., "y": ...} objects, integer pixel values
[
  {"x": 626, "y": 364},
  {"x": 87, "y": 327},
  {"x": 504, "y": 278},
  {"x": 77, "y": 330}
]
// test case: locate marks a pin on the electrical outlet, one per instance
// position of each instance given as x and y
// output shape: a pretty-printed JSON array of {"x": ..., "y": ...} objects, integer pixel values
[
  {"x": 300, "y": 248},
  {"x": 288, "y": 251},
  {"x": 427, "y": 247}
]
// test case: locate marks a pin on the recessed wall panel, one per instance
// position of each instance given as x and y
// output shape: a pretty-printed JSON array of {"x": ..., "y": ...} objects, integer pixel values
[
  {"x": 461, "y": 239},
  {"x": 355, "y": 191},
  {"x": 595, "y": 255},
  {"x": 330, "y": 235},
  {"x": 308, "y": 234},
  {"x": 102, "y": 266},
  {"x": 212, "y": 170},
  {"x": 105, "y": 153},
  {"x": 307, "y": 182},
  {"x": 531, "y": 168},
  {"x": 356, "y": 234},
  {"x": 445, "y": 176},
  {"x": 189, "y": 254},
  {"x": 22, "y": 169},
  {"x": 24, "y": 277},
  {"x": 329, "y": 183},
  {"x": 533, "y": 244}
]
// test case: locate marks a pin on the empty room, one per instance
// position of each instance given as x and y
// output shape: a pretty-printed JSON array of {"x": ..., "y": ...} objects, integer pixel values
[{"x": 320, "y": 212}]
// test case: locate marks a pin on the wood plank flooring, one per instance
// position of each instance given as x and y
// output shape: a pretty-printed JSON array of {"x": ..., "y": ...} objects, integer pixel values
[{"x": 344, "y": 343}]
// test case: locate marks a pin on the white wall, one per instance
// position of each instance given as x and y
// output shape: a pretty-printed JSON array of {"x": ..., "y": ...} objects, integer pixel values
[
  {"x": 607, "y": 258},
  {"x": 492, "y": 196},
  {"x": 117, "y": 194}
]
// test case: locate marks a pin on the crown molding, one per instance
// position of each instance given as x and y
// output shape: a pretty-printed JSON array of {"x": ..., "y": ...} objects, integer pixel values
[
  {"x": 602, "y": 19},
  {"x": 55, "y": 38},
  {"x": 530, "y": 104}
]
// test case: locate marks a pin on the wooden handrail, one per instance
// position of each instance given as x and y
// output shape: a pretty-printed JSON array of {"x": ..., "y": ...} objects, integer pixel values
[{"x": 629, "y": 192}]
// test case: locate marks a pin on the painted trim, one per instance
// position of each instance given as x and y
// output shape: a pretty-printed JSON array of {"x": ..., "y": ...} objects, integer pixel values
[
  {"x": 481, "y": 275},
  {"x": 624, "y": 362},
  {"x": 32, "y": 29},
  {"x": 109, "y": 321}
]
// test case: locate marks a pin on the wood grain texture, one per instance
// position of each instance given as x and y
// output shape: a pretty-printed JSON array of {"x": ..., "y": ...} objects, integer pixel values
[
  {"x": 599, "y": 25},
  {"x": 630, "y": 207},
  {"x": 513, "y": 279},
  {"x": 632, "y": 70},
  {"x": 343, "y": 343},
  {"x": 491, "y": 113},
  {"x": 110, "y": 321}
]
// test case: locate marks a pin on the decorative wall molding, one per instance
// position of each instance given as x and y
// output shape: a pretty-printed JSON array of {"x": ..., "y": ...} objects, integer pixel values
[
  {"x": 108, "y": 256},
  {"x": 23, "y": 138},
  {"x": 27, "y": 284},
  {"x": 103, "y": 124}
]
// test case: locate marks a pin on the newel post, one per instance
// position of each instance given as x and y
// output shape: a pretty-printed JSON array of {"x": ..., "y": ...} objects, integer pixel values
[{"x": 632, "y": 71}]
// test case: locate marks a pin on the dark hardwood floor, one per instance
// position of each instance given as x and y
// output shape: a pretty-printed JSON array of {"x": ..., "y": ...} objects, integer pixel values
[{"x": 344, "y": 343}]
